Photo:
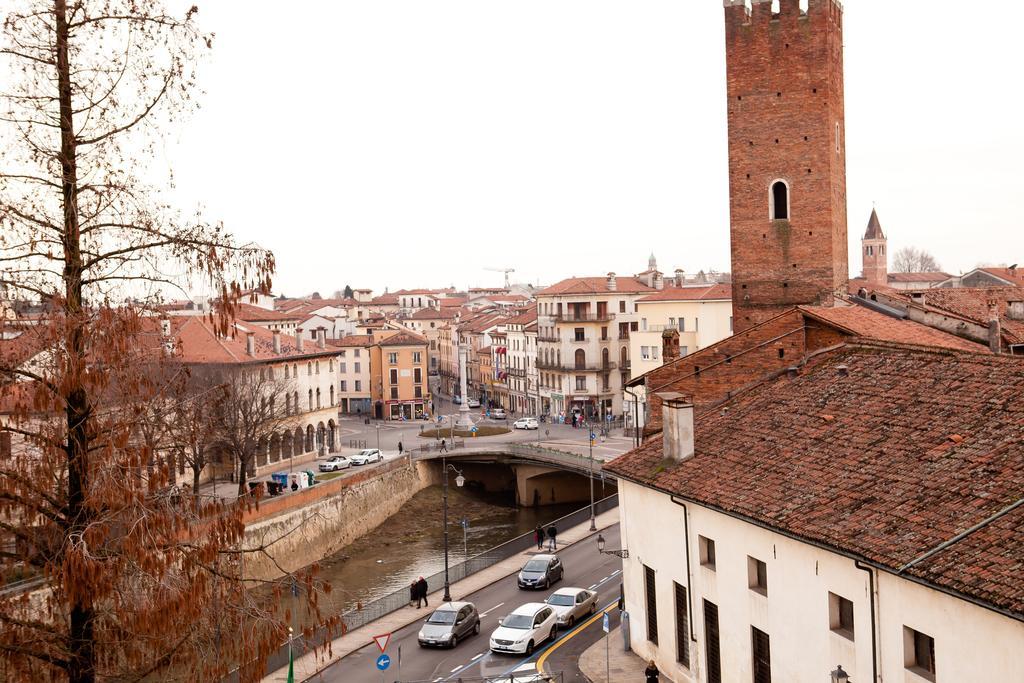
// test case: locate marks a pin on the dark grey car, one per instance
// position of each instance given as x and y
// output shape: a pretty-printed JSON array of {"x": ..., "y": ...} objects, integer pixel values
[
  {"x": 540, "y": 571},
  {"x": 449, "y": 624}
]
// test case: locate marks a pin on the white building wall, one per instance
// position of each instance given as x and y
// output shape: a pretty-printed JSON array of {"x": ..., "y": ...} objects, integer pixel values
[{"x": 972, "y": 643}]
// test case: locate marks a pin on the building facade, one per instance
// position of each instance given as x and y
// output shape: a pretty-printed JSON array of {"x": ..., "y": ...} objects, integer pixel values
[{"x": 399, "y": 386}]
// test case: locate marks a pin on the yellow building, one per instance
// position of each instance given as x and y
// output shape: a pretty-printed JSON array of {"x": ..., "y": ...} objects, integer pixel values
[{"x": 399, "y": 385}]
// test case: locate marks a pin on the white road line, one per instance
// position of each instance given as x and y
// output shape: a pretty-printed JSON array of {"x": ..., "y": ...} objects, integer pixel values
[
  {"x": 456, "y": 668},
  {"x": 592, "y": 587},
  {"x": 478, "y": 656},
  {"x": 617, "y": 571},
  {"x": 604, "y": 579}
]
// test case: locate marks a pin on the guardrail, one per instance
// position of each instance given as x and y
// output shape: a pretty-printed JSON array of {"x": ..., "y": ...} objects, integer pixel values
[
  {"x": 521, "y": 677},
  {"x": 392, "y": 602}
]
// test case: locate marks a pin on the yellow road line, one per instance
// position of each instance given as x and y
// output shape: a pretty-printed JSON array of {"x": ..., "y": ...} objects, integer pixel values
[{"x": 570, "y": 636}]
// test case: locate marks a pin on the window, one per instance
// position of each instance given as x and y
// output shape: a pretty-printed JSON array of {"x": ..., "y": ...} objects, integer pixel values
[
  {"x": 393, "y": 376},
  {"x": 318, "y": 398},
  {"x": 342, "y": 368},
  {"x": 310, "y": 399},
  {"x": 356, "y": 368},
  {"x": 682, "y": 627},
  {"x": 762, "y": 659},
  {"x": 604, "y": 333},
  {"x": 394, "y": 392},
  {"x": 606, "y": 379},
  {"x": 707, "y": 552},
  {"x": 286, "y": 372},
  {"x": 643, "y": 324},
  {"x": 622, "y": 306},
  {"x": 318, "y": 367},
  {"x": 288, "y": 403},
  {"x": 696, "y": 324},
  {"x": 357, "y": 353},
  {"x": 645, "y": 352},
  {"x": 712, "y": 648},
  {"x": 869, "y": 250},
  {"x": 757, "y": 575},
  {"x": 581, "y": 383},
  {"x": 332, "y": 394},
  {"x": 417, "y": 357},
  {"x": 654, "y": 352},
  {"x": 683, "y": 350},
  {"x": 417, "y": 375},
  {"x": 779, "y": 199},
  {"x": 359, "y": 385},
  {"x": 344, "y": 385},
  {"x": 309, "y": 368},
  {"x": 418, "y": 392},
  {"x": 393, "y": 358},
  {"x": 840, "y": 615},
  {"x": 580, "y": 359},
  {"x": 682, "y": 324},
  {"x": 919, "y": 653},
  {"x": 652, "y": 605},
  {"x": 579, "y": 334}
]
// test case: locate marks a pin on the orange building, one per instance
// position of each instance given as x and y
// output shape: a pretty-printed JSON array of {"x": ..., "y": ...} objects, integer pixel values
[{"x": 398, "y": 363}]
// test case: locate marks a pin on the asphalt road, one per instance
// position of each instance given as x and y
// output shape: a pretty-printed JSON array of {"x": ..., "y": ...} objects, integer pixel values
[{"x": 584, "y": 568}]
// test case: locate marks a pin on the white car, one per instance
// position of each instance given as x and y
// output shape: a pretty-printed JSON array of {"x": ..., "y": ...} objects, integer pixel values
[
  {"x": 473, "y": 403},
  {"x": 525, "y": 628},
  {"x": 366, "y": 455},
  {"x": 526, "y": 423},
  {"x": 572, "y": 605},
  {"x": 335, "y": 462},
  {"x": 498, "y": 414}
]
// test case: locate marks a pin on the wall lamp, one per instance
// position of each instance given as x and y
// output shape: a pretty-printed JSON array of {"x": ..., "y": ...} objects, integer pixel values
[{"x": 624, "y": 554}]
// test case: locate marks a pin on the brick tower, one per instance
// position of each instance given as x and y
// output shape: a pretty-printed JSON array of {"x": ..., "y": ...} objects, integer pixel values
[
  {"x": 787, "y": 160},
  {"x": 872, "y": 252}
]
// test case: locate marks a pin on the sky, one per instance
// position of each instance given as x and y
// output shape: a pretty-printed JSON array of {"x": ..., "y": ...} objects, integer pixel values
[{"x": 403, "y": 143}]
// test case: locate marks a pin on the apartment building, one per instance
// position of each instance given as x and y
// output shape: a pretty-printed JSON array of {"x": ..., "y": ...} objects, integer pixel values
[
  {"x": 702, "y": 315},
  {"x": 354, "y": 374},
  {"x": 399, "y": 388},
  {"x": 521, "y": 368},
  {"x": 583, "y": 330}
]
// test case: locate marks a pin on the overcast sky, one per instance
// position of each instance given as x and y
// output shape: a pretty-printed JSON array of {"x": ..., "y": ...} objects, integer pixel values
[{"x": 414, "y": 143}]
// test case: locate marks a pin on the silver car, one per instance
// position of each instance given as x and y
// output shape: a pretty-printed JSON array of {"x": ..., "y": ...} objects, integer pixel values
[
  {"x": 449, "y": 624},
  {"x": 572, "y": 604}
]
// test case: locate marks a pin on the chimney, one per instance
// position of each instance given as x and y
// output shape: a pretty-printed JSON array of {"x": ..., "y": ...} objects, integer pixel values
[
  {"x": 677, "y": 426},
  {"x": 670, "y": 344},
  {"x": 659, "y": 281},
  {"x": 680, "y": 277},
  {"x": 165, "y": 327},
  {"x": 321, "y": 337},
  {"x": 277, "y": 342},
  {"x": 250, "y": 343},
  {"x": 1015, "y": 310},
  {"x": 995, "y": 333},
  {"x": 613, "y": 284},
  {"x": 298, "y": 339}
]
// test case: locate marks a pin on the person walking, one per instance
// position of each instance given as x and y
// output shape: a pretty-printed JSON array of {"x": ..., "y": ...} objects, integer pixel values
[
  {"x": 413, "y": 592},
  {"x": 552, "y": 533},
  {"x": 444, "y": 448},
  {"x": 651, "y": 672},
  {"x": 574, "y": 420},
  {"x": 421, "y": 592},
  {"x": 399, "y": 447},
  {"x": 538, "y": 535}
]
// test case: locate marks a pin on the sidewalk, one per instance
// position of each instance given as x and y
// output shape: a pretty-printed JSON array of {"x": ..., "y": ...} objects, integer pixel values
[
  {"x": 624, "y": 667},
  {"x": 309, "y": 664}
]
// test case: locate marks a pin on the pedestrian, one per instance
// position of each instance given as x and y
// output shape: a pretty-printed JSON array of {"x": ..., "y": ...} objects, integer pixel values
[
  {"x": 444, "y": 448},
  {"x": 421, "y": 592},
  {"x": 574, "y": 420},
  {"x": 399, "y": 447},
  {"x": 651, "y": 672},
  {"x": 552, "y": 533},
  {"x": 538, "y": 535},
  {"x": 413, "y": 592}
]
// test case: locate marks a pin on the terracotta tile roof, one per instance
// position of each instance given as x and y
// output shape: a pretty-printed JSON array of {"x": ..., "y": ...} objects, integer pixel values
[
  {"x": 433, "y": 314},
  {"x": 595, "y": 285},
  {"x": 452, "y": 302},
  {"x": 250, "y": 313},
  {"x": 197, "y": 342},
  {"x": 403, "y": 339},
  {"x": 936, "y": 276},
  {"x": 385, "y": 299},
  {"x": 879, "y": 451},
  {"x": 971, "y": 303},
  {"x": 362, "y": 340},
  {"x": 20, "y": 344},
  {"x": 703, "y": 293},
  {"x": 525, "y": 318},
  {"x": 862, "y": 322}
]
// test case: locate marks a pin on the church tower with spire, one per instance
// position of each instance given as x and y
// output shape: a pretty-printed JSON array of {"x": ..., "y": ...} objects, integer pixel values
[{"x": 873, "y": 253}]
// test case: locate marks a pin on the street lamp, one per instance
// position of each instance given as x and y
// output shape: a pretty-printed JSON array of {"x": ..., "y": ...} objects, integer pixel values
[
  {"x": 459, "y": 481},
  {"x": 378, "y": 436},
  {"x": 840, "y": 676},
  {"x": 624, "y": 554},
  {"x": 593, "y": 522}
]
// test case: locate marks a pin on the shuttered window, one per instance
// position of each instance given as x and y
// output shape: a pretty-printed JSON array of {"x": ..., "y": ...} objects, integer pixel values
[
  {"x": 682, "y": 627},
  {"x": 712, "y": 646},
  {"x": 762, "y": 656},
  {"x": 652, "y": 605}
]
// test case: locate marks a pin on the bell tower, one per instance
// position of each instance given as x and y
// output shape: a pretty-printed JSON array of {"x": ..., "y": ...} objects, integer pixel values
[
  {"x": 872, "y": 252},
  {"x": 787, "y": 158}
]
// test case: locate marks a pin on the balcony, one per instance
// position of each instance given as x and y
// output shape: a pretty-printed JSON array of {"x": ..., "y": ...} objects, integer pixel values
[
  {"x": 572, "y": 367},
  {"x": 571, "y": 317},
  {"x": 548, "y": 338}
]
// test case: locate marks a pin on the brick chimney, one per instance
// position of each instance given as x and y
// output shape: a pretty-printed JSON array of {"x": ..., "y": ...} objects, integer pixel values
[
  {"x": 321, "y": 337},
  {"x": 298, "y": 339},
  {"x": 250, "y": 343},
  {"x": 1015, "y": 310},
  {"x": 670, "y": 344},
  {"x": 995, "y": 333},
  {"x": 277, "y": 342},
  {"x": 680, "y": 277},
  {"x": 677, "y": 426},
  {"x": 613, "y": 284}
]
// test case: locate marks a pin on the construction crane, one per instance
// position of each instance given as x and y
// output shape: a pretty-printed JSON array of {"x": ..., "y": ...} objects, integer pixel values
[{"x": 503, "y": 270}]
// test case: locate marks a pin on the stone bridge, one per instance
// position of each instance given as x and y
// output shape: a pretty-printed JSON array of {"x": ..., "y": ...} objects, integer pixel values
[{"x": 538, "y": 475}]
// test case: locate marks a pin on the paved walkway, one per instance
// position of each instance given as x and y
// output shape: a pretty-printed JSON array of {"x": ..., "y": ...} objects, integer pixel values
[
  {"x": 622, "y": 666},
  {"x": 310, "y": 663}
]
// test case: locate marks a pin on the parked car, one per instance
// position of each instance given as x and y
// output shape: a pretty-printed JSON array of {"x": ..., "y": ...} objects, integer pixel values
[
  {"x": 572, "y": 604},
  {"x": 526, "y": 423},
  {"x": 524, "y": 629},
  {"x": 335, "y": 462},
  {"x": 449, "y": 624},
  {"x": 457, "y": 400},
  {"x": 540, "y": 572},
  {"x": 498, "y": 414},
  {"x": 367, "y": 455},
  {"x": 473, "y": 403}
]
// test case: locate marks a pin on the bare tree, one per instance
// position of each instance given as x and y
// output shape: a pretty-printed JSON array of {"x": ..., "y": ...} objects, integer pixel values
[
  {"x": 88, "y": 87},
  {"x": 914, "y": 260}
]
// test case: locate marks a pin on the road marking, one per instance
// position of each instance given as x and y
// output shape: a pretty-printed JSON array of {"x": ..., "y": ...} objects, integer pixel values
[
  {"x": 456, "y": 668},
  {"x": 617, "y": 571},
  {"x": 478, "y": 656},
  {"x": 484, "y": 614},
  {"x": 603, "y": 580},
  {"x": 592, "y": 586},
  {"x": 572, "y": 634},
  {"x": 529, "y": 666}
]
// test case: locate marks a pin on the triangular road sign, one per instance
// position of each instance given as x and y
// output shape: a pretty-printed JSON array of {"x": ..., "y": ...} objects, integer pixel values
[{"x": 382, "y": 641}]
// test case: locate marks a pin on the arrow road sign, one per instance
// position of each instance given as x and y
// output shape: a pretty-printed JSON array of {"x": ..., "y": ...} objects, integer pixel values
[
  {"x": 592, "y": 436},
  {"x": 382, "y": 641},
  {"x": 604, "y": 623},
  {"x": 383, "y": 662}
]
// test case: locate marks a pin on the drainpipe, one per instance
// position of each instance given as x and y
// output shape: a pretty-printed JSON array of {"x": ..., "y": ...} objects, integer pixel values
[
  {"x": 636, "y": 417},
  {"x": 689, "y": 576},
  {"x": 874, "y": 639}
]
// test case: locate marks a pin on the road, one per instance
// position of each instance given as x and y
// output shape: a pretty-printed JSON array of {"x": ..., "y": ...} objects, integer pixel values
[{"x": 584, "y": 567}]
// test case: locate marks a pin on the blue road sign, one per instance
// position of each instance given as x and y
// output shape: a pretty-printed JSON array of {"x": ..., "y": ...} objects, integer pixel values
[
  {"x": 474, "y": 430},
  {"x": 604, "y": 626},
  {"x": 593, "y": 436},
  {"x": 384, "y": 661}
]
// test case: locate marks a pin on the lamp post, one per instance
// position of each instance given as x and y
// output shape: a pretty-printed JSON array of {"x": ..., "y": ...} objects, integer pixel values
[
  {"x": 459, "y": 481},
  {"x": 839, "y": 676},
  {"x": 593, "y": 522},
  {"x": 623, "y": 553}
]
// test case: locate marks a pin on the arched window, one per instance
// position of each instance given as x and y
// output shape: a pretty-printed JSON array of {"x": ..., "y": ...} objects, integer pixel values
[
  {"x": 623, "y": 355},
  {"x": 318, "y": 367},
  {"x": 779, "y": 199},
  {"x": 286, "y": 372},
  {"x": 287, "y": 404},
  {"x": 604, "y": 358},
  {"x": 318, "y": 398},
  {"x": 581, "y": 359},
  {"x": 311, "y": 399},
  {"x": 295, "y": 401},
  {"x": 332, "y": 394},
  {"x": 309, "y": 368}
]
